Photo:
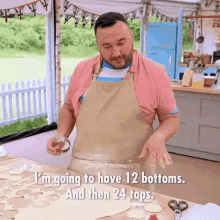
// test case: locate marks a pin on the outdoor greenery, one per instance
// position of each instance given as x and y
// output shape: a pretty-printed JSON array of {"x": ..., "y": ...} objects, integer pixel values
[
  {"x": 28, "y": 36},
  {"x": 22, "y": 125}
]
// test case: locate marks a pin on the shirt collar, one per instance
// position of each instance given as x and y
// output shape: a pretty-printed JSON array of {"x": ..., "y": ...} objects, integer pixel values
[
  {"x": 107, "y": 66},
  {"x": 133, "y": 68}
]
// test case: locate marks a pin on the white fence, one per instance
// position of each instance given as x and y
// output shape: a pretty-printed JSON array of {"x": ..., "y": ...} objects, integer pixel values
[{"x": 27, "y": 100}]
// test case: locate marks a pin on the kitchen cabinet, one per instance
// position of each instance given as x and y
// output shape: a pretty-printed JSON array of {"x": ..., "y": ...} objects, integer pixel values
[{"x": 199, "y": 134}]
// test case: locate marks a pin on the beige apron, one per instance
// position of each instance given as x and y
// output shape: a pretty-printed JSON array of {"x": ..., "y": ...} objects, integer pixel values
[{"x": 111, "y": 131}]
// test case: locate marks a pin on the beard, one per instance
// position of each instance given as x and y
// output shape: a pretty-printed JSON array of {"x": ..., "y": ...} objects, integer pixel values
[{"x": 122, "y": 61}]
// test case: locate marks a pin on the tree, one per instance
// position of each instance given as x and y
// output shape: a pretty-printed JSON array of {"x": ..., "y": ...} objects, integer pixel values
[{"x": 191, "y": 31}]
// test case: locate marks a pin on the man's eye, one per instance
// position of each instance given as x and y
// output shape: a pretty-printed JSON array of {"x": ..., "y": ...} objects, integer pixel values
[
  {"x": 120, "y": 44},
  {"x": 107, "y": 47}
]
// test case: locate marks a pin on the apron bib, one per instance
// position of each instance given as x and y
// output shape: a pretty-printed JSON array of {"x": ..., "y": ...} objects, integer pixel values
[{"x": 111, "y": 131}]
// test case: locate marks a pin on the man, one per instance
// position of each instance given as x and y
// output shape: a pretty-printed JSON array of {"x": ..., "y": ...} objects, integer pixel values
[{"x": 113, "y": 99}]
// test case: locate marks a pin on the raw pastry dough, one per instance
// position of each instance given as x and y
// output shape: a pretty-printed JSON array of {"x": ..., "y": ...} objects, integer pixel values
[
  {"x": 17, "y": 171},
  {"x": 4, "y": 176},
  {"x": 36, "y": 168},
  {"x": 4, "y": 168},
  {"x": 153, "y": 208},
  {"x": 135, "y": 214},
  {"x": 10, "y": 178},
  {"x": 63, "y": 208},
  {"x": 14, "y": 178}
]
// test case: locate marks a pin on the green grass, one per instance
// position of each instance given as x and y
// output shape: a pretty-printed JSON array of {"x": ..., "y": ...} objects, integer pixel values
[{"x": 22, "y": 125}]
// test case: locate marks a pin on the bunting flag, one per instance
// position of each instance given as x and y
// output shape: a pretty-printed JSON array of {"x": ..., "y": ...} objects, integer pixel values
[
  {"x": 217, "y": 6},
  {"x": 72, "y": 9},
  {"x": 66, "y": 5},
  {"x": 78, "y": 11},
  {"x": 11, "y": 12},
  {"x": 67, "y": 18},
  {"x": 32, "y": 7},
  {"x": 209, "y": 2},
  {"x": 141, "y": 10},
  {"x": 44, "y": 3},
  {"x": 75, "y": 11},
  {"x": 20, "y": 14},
  {"x": 76, "y": 21},
  {"x": 85, "y": 22},
  {"x": 93, "y": 20},
  {"x": 5, "y": 14},
  {"x": 157, "y": 14},
  {"x": 133, "y": 14},
  {"x": 69, "y": 9}
]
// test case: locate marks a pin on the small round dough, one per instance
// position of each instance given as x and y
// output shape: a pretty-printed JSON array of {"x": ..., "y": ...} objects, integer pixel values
[
  {"x": 16, "y": 171},
  {"x": 153, "y": 208},
  {"x": 4, "y": 168},
  {"x": 4, "y": 176},
  {"x": 14, "y": 178},
  {"x": 36, "y": 168},
  {"x": 135, "y": 214}
]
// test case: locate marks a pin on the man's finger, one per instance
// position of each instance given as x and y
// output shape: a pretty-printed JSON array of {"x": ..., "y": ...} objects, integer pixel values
[
  {"x": 51, "y": 152},
  {"x": 51, "y": 142},
  {"x": 59, "y": 146},
  {"x": 167, "y": 159},
  {"x": 143, "y": 152},
  {"x": 55, "y": 153},
  {"x": 162, "y": 163}
]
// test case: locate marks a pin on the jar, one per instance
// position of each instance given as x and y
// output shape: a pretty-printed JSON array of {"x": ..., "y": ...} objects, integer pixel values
[{"x": 198, "y": 81}]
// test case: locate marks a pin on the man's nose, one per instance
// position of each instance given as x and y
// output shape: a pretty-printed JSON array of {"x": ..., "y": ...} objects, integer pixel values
[{"x": 116, "y": 52}]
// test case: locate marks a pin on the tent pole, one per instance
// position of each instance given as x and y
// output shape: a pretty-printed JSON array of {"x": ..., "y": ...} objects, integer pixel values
[
  {"x": 179, "y": 43},
  {"x": 50, "y": 66},
  {"x": 145, "y": 21},
  {"x": 57, "y": 57}
]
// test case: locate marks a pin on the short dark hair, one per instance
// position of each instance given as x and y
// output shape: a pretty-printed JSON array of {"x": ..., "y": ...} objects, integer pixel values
[{"x": 108, "y": 20}]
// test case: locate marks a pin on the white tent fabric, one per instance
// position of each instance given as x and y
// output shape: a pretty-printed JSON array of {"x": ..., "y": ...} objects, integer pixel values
[
  {"x": 170, "y": 9},
  {"x": 97, "y": 7},
  {"x": 167, "y": 9},
  {"x": 130, "y": 8}
]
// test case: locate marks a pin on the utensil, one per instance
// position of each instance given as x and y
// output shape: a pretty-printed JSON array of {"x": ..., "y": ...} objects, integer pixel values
[
  {"x": 200, "y": 39},
  {"x": 66, "y": 147},
  {"x": 178, "y": 207}
]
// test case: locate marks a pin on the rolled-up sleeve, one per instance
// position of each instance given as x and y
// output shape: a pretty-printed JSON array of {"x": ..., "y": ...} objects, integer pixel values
[{"x": 166, "y": 103}]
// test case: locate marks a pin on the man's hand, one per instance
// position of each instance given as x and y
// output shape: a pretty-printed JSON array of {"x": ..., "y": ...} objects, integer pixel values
[
  {"x": 55, "y": 149},
  {"x": 155, "y": 146}
]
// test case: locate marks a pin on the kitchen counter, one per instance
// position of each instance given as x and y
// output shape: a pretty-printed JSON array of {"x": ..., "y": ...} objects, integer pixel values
[
  {"x": 207, "y": 65},
  {"x": 190, "y": 89},
  {"x": 8, "y": 191},
  {"x": 199, "y": 133}
]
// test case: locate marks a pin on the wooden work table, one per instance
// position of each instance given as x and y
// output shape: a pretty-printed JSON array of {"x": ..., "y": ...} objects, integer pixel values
[
  {"x": 10, "y": 161},
  {"x": 199, "y": 132}
]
